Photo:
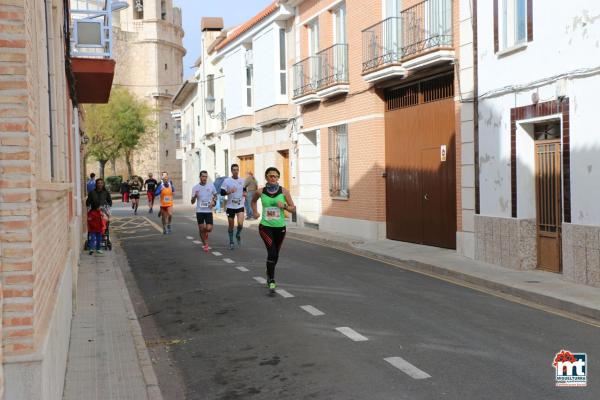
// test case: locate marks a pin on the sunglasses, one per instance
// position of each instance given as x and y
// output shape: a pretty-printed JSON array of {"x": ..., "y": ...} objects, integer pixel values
[{"x": 273, "y": 176}]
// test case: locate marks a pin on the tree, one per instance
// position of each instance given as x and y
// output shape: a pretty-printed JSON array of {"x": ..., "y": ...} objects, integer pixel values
[{"x": 117, "y": 128}]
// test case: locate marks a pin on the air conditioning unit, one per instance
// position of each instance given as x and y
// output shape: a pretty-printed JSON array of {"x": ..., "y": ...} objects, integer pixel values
[{"x": 249, "y": 58}]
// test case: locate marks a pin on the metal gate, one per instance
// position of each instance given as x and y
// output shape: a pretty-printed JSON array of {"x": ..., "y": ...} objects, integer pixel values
[
  {"x": 421, "y": 163},
  {"x": 548, "y": 204}
]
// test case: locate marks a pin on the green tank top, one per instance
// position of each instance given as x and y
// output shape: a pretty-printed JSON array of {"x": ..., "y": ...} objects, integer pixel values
[{"x": 272, "y": 215}]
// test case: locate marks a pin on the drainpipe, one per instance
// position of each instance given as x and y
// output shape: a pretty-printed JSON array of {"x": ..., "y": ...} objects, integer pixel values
[
  {"x": 476, "y": 108},
  {"x": 77, "y": 141},
  {"x": 50, "y": 119}
]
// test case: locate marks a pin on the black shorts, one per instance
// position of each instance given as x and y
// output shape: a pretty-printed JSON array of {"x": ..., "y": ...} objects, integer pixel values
[
  {"x": 231, "y": 212},
  {"x": 134, "y": 196},
  {"x": 204, "y": 217}
]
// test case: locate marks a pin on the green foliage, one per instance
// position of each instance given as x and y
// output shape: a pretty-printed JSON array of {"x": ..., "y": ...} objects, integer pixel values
[
  {"x": 113, "y": 183},
  {"x": 118, "y": 127}
]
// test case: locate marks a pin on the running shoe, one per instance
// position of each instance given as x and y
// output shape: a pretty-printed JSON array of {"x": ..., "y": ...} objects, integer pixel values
[
  {"x": 231, "y": 246},
  {"x": 169, "y": 230},
  {"x": 272, "y": 285},
  {"x": 91, "y": 252},
  {"x": 99, "y": 252},
  {"x": 150, "y": 211},
  {"x": 205, "y": 248}
]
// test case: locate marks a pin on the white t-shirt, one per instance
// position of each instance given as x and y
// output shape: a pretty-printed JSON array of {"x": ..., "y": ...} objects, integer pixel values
[
  {"x": 205, "y": 196},
  {"x": 234, "y": 200}
]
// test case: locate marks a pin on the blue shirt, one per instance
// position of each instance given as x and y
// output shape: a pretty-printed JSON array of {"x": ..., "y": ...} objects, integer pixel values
[
  {"x": 160, "y": 188},
  {"x": 91, "y": 185}
]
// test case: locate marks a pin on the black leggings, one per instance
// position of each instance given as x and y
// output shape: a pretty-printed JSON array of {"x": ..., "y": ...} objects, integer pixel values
[{"x": 273, "y": 238}]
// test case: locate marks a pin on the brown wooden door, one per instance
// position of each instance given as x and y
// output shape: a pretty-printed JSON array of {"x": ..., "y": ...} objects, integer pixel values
[
  {"x": 285, "y": 164},
  {"x": 420, "y": 187},
  {"x": 548, "y": 204},
  {"x": 246, "y": 165}
]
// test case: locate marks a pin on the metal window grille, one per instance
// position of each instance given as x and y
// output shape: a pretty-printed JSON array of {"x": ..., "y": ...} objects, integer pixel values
[
  {"x": 438, "y": 88},
  {"x": 338, "y": 161}
]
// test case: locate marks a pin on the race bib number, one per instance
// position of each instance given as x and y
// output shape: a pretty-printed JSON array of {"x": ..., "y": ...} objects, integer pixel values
[
  {"x": 236, "y": 202},
  {"x": 167, "y": 199},
  {"x": 272, "y": 213},
  {"x": 135, "y": 192},
  {"x": 205, "y": 204}
]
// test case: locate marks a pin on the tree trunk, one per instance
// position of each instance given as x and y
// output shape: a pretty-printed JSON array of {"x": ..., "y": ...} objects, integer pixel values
[
  {"x": 102, "y": 164},
  {"x": 128, "y": 162},
  {"x": 113, "y": 167}
]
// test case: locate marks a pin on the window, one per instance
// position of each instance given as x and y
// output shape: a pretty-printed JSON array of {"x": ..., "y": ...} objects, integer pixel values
[
  {"x": 339, "y": 21},
  {"x": 198, "y": 120},
  {"x": 138, "y": 9},
  {"x": 226, "y": 156},
  {"x": 163, "y": 10},
  {"x": 313, "y": 37},
  {"x": 210, "y": 86},
  {"x": 282, "y": 66},
  {"x": 222, "y": 102},
  {"x": 166, "y": 66},
  {"x": 166, "y": 125},
  {"x": 338, "y": 161},
  {"x": 512, "y": 23},
  {"x": 249, "y": 86}
]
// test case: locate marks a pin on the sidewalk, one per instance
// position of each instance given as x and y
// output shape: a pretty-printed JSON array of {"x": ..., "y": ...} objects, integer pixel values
[{"x": 107, "y": 358}]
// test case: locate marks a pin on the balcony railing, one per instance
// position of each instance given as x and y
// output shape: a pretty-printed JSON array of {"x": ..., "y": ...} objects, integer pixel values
[
  {"x": 91, "y": 28},
  {"x": 422, "y": 27},
  {"x": 305, "y": 76},
  {"x": 333, "y": 66}
]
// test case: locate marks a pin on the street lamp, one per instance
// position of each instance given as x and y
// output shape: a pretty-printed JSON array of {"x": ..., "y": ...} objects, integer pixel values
[{"x": 210, "y": 109}]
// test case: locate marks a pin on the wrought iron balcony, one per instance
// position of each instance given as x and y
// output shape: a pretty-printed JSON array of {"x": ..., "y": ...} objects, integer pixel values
[
  {"x": 333, "y": 70},
  {"x": 421, "y": 29},
  {"x": 305, "y": 75}
]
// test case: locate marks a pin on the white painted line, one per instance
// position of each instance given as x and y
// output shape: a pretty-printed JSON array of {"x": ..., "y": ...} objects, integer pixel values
[
  {"x": 197, "y": 242},
  {"x": 407, "y": 368},
  {"x": 243, "y": 269},
  {"x": 158, "y": 228},
  {"x": 216, "y": 253},
  {"x": 351, "y": 333},
  {"x": 284, "y": 293},
  {"x": 228, "y": 260},
  {"x": 260, "y": 280},
  {"x": 189, "y": 237},
  {"x": 312, "y": 310}
]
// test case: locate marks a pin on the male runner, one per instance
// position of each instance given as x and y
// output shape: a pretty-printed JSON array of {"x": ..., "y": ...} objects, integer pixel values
[
  {"x": 150, "y": 185},
  {"x": 233, "y": 188},
  {"x": 165, "y": 190},
  {"x": 206, "y": 195}
]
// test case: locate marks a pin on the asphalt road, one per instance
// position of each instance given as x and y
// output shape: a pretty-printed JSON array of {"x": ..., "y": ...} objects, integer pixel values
[{"x": 355, "y": 328}]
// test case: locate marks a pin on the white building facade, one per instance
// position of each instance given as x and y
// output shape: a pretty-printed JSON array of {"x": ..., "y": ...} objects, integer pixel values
[{"x": 537, "y": 141}]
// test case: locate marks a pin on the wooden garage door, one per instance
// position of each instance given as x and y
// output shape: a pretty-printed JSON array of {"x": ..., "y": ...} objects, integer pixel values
[
  {"x": 246, "y": 165},
  {"x": 420, "y": 163}
]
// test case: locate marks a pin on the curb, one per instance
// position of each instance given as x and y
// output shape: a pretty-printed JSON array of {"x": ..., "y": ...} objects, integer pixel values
[
  {"x": 145, "y": 362},
  {"x": 461, "y": 278}
]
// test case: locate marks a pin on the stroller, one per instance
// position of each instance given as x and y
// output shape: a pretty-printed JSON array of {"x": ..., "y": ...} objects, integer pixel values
[{"x": 105, "y": 243}]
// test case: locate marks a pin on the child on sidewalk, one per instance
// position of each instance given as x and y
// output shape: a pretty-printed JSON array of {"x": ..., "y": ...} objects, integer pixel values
[{"x": 96, "y": 225}]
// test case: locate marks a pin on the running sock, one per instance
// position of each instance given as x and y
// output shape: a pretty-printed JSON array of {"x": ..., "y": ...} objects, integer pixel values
[
  {"x": 230, "y": 235},
  {"x": 239, "y": 231}
]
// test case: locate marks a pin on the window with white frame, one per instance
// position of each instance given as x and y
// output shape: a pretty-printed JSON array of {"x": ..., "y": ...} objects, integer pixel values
[
  {"x": 210, "y": 86},
  {"x": 249, "y": 86},
  {"x": 338, "y": 161},
  {"x": 282, "y": 66},
  {"x": 339, "y": 21},
  {"x": 513, "y": 23},
  {"x": 313, "y": 37}
]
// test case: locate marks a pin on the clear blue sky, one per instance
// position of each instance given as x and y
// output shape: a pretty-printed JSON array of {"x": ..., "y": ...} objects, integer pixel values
[{"x": 233, "y": 12}]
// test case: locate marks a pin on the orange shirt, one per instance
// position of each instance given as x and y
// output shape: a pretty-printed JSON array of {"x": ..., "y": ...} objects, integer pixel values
[{"x": 166, "y": 197}]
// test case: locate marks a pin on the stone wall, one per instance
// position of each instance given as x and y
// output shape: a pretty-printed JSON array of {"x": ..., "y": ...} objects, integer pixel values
[
  {"x": 581, "y": 253},
  {"x": 508, "y": 242}
]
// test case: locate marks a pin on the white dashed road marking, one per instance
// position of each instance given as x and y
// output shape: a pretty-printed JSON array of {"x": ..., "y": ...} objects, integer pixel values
[
  {"x": 260, "y": 280},
  {"x": 189, "y": 237},
  {"x": 284, "y": 293},
  {"x": 216, "y": 253},
  {"x": 243, "y": 269},
  {"x": 228, "y": 260},
  {"x": 407, "y": 368},
  {"x": 351, "y": 333},
  {"x": 312, "y": 311},
  {"x": 197, "y": 242}
]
